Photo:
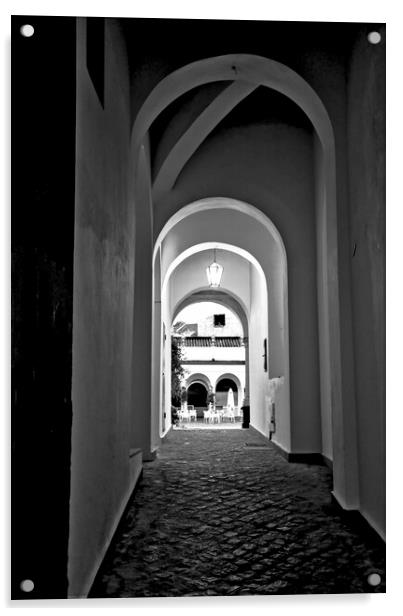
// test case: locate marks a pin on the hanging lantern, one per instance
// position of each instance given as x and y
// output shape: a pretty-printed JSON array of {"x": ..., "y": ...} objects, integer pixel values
[{"x": 214, "y": 273}]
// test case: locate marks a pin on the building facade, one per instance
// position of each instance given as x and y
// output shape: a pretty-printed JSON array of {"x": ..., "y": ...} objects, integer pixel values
[{"x": 213, "y": 357}]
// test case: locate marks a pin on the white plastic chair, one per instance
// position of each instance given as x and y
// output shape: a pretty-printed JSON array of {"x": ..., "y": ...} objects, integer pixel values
[
  {"x": 207, "y": 416},
  {"x": 230, "y": 415},
  {"x": 215, "y": 417},
  {"x": 192, "y": 414}
]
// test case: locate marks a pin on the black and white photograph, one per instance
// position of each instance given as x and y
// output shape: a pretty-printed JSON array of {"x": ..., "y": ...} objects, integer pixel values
[{"x": 198, "y": 321}]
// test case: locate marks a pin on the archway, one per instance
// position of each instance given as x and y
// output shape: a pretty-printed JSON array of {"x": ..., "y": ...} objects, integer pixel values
[
  {"x": 223, "y": 385},
  {"x": 247, "y": 68},
  {"x": 249, "y": 233},
  {"x": 254, "y": 235},
  {"x": 198, "y": 377},
  {"x": 197, "y": 395},
  {"x": 240, "y": 270},
  {"x": 337, "y": 339},
  {"x": 333, "y": 386}
]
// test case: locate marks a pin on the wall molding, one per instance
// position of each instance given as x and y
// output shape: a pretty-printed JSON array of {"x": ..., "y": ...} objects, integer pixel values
[
  {"x": 356, "y": 520},
  {"x": 302, "y": 458}
]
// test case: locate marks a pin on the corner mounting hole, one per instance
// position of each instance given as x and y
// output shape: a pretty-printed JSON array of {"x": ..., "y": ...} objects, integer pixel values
[
  {"x": 27, "y": 30},
  {"x": 27, "y": 585},
  {"x": 374, "y": 579},
  {"x": 374, "y": 38}
]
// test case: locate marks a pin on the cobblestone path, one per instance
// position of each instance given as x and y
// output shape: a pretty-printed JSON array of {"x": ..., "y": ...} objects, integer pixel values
[{"x": 222, "y": 513}]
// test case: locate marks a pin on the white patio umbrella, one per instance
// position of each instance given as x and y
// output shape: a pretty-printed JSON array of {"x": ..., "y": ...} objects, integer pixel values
[{"x": 230, "y": 399}]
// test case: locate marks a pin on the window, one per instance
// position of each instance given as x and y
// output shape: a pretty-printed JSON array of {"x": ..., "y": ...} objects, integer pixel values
[{"x": 219, "y": 320}]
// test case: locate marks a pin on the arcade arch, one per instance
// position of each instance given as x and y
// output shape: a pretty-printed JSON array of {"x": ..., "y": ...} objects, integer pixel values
[
  {"x": 198, "y": 377},
  {"x": 222, "y": 386},
  {"x": 229, "y": 376},
  {"x": 197, "y": 394}
]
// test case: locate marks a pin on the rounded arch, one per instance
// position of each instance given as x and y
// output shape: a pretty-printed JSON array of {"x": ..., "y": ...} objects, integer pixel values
[
  {"x": 227, "y": 203},
  {"x": 255, "y": 233},
  {"x": 232, "y": 377},
  {"x": 222, "y": 386},
  {"x": 204, "y": 246},
  {"x": 199, "y": 377},
  {"x": 264, "y": 71},
  {"x": 225, "y": 298},
  {"x": 249, "y": 68},
  {"x": 197, "y": 393},
  {"x": 267, "y": 255}
]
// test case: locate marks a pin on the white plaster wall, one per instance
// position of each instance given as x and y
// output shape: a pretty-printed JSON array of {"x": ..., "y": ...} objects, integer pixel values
[
  {"x": 214, "y": 352},
  {"x": 258, "y": 331},
  {"x": 102, "y": 474},
  {"x": 165, "y": 404},
  {"x": 323, "y": 325},
  {"x": 153, "y": 418},
  {"x": 205, "y": 323},
  {"x": 146, "y": 292}
]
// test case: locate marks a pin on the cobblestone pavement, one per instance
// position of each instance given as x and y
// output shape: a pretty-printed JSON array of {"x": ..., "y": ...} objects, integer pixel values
[{"x": 222, "y": 513}]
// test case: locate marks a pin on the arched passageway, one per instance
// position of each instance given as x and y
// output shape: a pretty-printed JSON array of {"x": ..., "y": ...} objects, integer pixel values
[
  {"x": 338, "y": 423},
  {"x": 254, "y": 256},
  {"x": 189, "y": 180},
  {"x": 243, "y": 289}
]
